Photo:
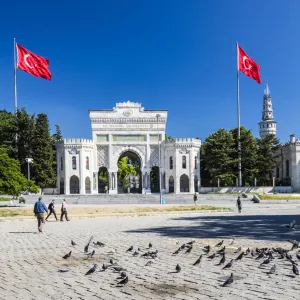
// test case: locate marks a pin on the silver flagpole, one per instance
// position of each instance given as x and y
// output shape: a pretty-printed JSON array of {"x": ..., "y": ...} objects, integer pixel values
[
  {"x": 15, "y": 76},
  {"x": 239, "y": 119}
]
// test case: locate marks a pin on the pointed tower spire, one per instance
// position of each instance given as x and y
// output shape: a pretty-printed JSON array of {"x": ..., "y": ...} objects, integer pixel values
[{"x": 268, "y": 125}]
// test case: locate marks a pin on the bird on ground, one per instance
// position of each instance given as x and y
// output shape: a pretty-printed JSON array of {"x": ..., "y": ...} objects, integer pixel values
[
  {"x": 129, "y": 249},
  {"x": 150, "y": 245},
  {"x": 92, "y": 270},
  {"x": 233, "y": 242},
  {"x": 219, "y": 244},
  {"x": 229, "y": 265},
  {"x": 73, "y": 243},
  {"x": 177, "y": 251},
  {"x": 197, "y": 261},
  {"x": 222, "y": 261},
  {"x": 295, "y": 270},
  {"x": 253, "y": 254},
  {"x": 189, "y": 249},
  {"x": 238, "y": 250},
  {"x": 100, "y": 244},
  {"x": 191, "y": 242},
  {"x": 149, "y": 263},
  {"x": 229, "y": 280},
  {"x": 112, "y": 262},
  {"x": 123, "y": 274},
  {"x": 295, "y": 246},
  {"x": 212, "y": 256},
  {"x": 206, "y": 249},
  {"x": 182, "y": 246},
  {"x": 266, "y": 261},
  {"x": 86, "y": 248},
  {"x": 139, "y": 249},
  {"x": 298, "y": 256},
  {"x": 248, "y": 251},
  {"x": 91, "y": 254},
  {"x": 260, "y": 255},
  {"x": 67, "y": 255},
  {"x": 104, "y": 267},
  {"x": 178, "y": 268},
  {"x": 240, "y": 256},
  {"x": 118, "y": 269},
  {"x": 135, "y": 254},
  {"x": 221, "y": 251},
  {"x": 273, "y": 270},
  {"x": 123, "y": 281}
]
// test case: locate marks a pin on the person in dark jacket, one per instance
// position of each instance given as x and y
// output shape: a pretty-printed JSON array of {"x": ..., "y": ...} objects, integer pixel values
[
  {"x": 195, "y": 198},
  {"x": 51, "y": 210},
  {"x": 239, "y": 204},
  {"x": 39, "y": 210}
]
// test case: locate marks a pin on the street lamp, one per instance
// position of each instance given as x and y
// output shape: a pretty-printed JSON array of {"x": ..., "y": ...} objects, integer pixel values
[
  {"x": 29, "y": 161},
  {"x": 159, "y": 175}
]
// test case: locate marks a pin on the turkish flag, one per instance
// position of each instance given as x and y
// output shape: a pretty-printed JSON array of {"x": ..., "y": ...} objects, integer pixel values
[
  {"x": 33, "y": 64},
  {"x": 248, "y": 66}
]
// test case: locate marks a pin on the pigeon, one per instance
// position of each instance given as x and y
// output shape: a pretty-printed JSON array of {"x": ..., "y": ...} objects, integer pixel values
[
  {"x": 63, "y": 270},
  {"x": 298, "y": 256},
  {"x": 240, "y": 256},
  {"x": 219, "y": 244},
  {"x": 182, "y": 246},
  {"x": 123, "y": 274},
  {"x": 222, "y": 261},
  {"x": 253, "y": 254},
  {"x": 266, "y": 261},
  {"x": 178, "y": 268},
  {"x": 104, "y": 267},
  {"x": 232, "y": 242},
  {"x": 229, "y": 265},
  {"x": 92, "y": 270},
  {"x": 112, "y": 262},
  {"x": 123, "y": 281},
  {"x": 129, "y": 249},
  {"x": 206, "y": 249},
  {"x": 189, "y": 249},
  {"x": 150, "y": 245},
  {"x": 177, "y": 251},
  {"x": 190, "y": 243},
  {"x": 238, "y": 250},
  {"x": 197, "y": 261},
  {"x": 86, "y": 248},
  {"x": 212, "y": 256},
  {"x": 139, "y": 249},
  {"x": 91, "y": 254},
  {"x": 221, "y": 251},
  {"x": 273, "y": 270},
  {"x": 99, "y": 244},
  {"x": 261, "y": 255},
  {"x": 119, "y": 269},
  {"x": 67, "y": 255},
  {"x": 73, "y": 243},
  {"x": 295, "y": 270},
  {"x": 248, "y": 251},
  {"x": 135, "y": 254},
  {"x": 229, "y": 280},
  {"x": 149, "y": 263}
]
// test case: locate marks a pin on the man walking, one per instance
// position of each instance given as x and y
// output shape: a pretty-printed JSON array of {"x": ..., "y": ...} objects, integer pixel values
[
  {"x": 51, "y": 210},
  {"x": 64, "y": 211},
  {"x": 39, "y": 210},
  {"x": 239, "y": 204}
]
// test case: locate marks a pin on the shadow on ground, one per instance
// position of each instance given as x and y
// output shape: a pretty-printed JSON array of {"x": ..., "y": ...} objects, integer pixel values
[{"x": 262, "y": 227}]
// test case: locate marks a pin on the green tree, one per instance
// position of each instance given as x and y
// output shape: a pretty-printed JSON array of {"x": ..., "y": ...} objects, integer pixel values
[
  {"x": 56, "y": 137},
  {"x": 124, "y": 171},
  {"x": 249, "y": 152},
  {"x": 168, "y": 137},
  {"x": 268, "y": 158},
  {"x": 43, "y": 153},
  {"x": 7, "y": 130},
  {"x": 12, "y": 181},
  {"x": 217, "y": 157}
]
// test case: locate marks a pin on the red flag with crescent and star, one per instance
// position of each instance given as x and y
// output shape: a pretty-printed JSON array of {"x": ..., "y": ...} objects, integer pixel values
[
  {"x": 248, "y": 66},
  {"x": 33, "y": 64}
]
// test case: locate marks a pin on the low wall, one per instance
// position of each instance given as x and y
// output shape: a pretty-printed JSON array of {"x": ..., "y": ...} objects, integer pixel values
[{"x": 258, "y": 189}]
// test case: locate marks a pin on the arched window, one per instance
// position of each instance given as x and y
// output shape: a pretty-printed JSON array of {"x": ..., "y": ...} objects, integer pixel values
[
  {"x": 195, "y": 162},
  {"x": 287, "y": 168},
  {"x": 87, "y": 163},
  {"x": 74, "y": 163},
  {"x": 171, "y": 162},
  {"x": 183, "y": 162},
  {"x": 61, "y": 163}
]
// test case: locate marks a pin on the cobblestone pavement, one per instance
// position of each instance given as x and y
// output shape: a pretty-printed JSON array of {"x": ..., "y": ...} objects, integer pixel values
[{"x": 30, "y": 262}]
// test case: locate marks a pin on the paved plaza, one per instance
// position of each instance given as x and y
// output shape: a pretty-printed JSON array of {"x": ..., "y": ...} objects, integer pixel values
[{"x": 32, "y": 265}]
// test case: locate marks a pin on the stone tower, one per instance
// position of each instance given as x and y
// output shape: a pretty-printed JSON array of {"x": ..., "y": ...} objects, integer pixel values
[{"x": 267, "y": 125}]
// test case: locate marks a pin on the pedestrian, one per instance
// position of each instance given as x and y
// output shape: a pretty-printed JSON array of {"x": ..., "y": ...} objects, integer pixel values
[
  {"x": 195, "y": 198},
  {"x": 239, "y": 204},
  {"x": 39, "y": 210},
  {"x": 64, "y": 211},
  {"x": 51, "y": 210}
]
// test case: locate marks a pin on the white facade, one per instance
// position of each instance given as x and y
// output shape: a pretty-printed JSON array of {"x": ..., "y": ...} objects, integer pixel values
[{"x": 128, "y": 129}]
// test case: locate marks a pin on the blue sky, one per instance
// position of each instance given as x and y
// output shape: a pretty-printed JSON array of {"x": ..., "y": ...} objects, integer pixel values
[{"x": 167, "y": 54}]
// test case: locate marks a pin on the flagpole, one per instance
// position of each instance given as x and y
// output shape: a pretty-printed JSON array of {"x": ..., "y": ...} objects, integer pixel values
[
  {"x": 239, "y": 118},
  {"x": 15, "y": 76}
]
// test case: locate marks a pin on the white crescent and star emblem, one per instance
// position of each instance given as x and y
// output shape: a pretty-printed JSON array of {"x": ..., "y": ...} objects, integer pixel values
[
  {"x": 244, "y": 63},
  {"x": 26, "y": 62}
]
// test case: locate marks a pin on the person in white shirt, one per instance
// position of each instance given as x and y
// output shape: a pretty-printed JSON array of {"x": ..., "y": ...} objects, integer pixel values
[{"x": 64, "y": 211}]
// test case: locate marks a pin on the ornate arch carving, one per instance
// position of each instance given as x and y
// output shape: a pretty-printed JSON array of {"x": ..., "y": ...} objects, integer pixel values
[{"x": 120, "y": 150}]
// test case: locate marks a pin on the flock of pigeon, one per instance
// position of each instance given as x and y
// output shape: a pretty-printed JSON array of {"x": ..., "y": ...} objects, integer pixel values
[{"x": 265, "y": 255}]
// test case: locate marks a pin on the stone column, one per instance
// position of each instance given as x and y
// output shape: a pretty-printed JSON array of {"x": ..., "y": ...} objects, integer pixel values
[
  {"x": 66, "y": 172},
  {"x": 177, "y": 167},
  {"x": 116, "y": 182},
  {"x": 81, "y": 165},
  {"x": 192, "y": 172}
]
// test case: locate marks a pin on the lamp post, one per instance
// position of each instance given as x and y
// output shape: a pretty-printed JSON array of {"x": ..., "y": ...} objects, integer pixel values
[
  {"x": 29, "y": 161},
  {"x": 159, "y": 175}
]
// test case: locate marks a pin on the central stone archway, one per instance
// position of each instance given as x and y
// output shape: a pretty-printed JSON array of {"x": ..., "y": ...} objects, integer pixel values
[{"x": 129, "y": 182}]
